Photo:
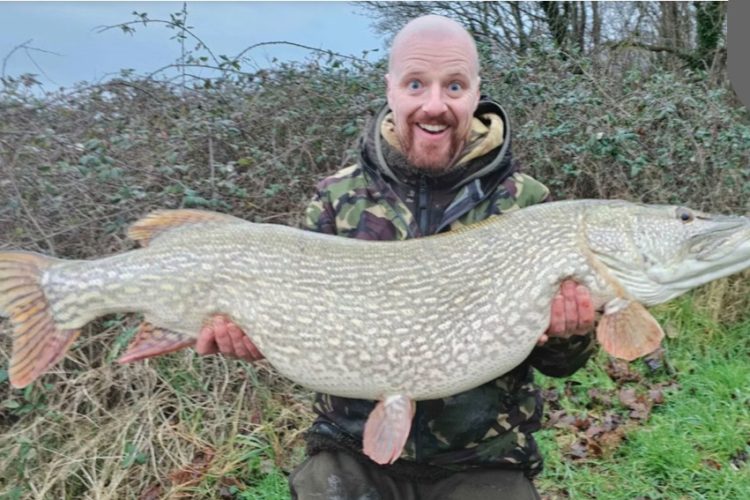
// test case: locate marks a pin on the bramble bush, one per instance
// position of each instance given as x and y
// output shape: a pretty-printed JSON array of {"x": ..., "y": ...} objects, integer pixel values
[
  {"x": 78, "y": 166},
  {"x": 656, "y": 138}
]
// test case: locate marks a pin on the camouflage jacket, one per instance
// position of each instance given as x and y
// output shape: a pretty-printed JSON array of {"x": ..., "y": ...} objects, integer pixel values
[{"x": 381, "y": 198}]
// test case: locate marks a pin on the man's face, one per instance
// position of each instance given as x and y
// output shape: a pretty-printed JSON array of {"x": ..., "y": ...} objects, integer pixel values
[{"x": 433, "y": 91}]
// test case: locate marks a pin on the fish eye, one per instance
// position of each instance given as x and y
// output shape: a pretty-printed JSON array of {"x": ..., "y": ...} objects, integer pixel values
[{"x": 685, "y": 215}]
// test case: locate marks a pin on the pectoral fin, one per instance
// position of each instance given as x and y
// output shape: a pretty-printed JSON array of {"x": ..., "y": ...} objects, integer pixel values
[
  {"x": 628, "y": 331},
  {"x": 151, "y": 341},
  {"x": 387, "y": 429}
]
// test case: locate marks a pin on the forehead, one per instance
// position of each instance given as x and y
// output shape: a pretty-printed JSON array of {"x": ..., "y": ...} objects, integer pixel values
[{"x": 439, "y": 53}]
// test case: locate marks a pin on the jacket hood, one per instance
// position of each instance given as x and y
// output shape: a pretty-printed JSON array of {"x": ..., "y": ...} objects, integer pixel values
[{"x": 486, "y": 153}]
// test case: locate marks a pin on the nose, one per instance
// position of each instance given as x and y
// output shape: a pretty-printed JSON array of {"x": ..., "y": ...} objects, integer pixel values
[{"x": 434, "y": 104}]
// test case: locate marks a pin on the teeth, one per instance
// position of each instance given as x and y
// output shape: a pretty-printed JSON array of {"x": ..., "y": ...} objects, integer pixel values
[{"x": 433, "y": 128}]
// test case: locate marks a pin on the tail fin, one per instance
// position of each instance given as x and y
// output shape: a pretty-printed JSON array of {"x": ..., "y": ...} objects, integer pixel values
[{"x": 37, "y": 342}]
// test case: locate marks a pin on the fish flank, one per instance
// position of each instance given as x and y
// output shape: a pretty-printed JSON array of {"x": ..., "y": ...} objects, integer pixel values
[{"x": 320, "y": 306}]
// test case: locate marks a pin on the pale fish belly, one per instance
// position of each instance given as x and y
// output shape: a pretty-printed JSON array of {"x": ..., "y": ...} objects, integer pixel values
[
  {"x": 444, "y": 336},
  {"x": 426, "y": 363}
]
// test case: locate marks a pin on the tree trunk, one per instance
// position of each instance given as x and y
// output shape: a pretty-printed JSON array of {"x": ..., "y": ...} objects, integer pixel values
[
  {"x": 557, "y": 21},
  {"x": 579, "y": 20},
  {"x": 523, "y": 39},
  {"x": 596, "y": 26},
  {"x": 709, "y": 27},
  {"x": 673, "y": 34}
]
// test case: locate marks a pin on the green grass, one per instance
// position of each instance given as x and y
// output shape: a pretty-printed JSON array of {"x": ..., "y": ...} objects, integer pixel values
[{"x": 693, "y": 445}]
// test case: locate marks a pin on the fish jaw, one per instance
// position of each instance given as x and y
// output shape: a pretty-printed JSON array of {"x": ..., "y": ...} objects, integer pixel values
[
  {"x": 661, "y": 252},
  {"x": 730, "y": 255}
]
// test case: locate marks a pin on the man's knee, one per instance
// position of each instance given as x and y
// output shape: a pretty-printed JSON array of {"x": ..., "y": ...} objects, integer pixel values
[
  {"x": 333, "y": 475},
  {"x": 485, "y": 484}
]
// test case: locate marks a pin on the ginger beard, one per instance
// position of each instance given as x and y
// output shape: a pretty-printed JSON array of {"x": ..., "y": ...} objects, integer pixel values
[{"x": 431, "y": 145}]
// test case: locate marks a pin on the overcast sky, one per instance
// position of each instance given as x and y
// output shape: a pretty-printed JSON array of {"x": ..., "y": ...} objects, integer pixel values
[{"x": 70, "y": 30}]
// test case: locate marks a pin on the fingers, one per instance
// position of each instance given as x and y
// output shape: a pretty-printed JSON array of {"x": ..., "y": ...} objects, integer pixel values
[
  {"x": 571, "y": 307},
  {"x": 243, "y": 347},
  {"x": 572, "y": 311},
  {"x": 221, "y": 335},
  {"x": 206, "y": 344},
  {"x": 237, "y": 339},
  {"x": 586, "y": 311},
  {"x": 557, "y": 317}
]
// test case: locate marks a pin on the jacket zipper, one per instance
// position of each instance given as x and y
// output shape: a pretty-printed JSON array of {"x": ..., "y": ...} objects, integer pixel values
[
  {"x": 469, "y": 205},
  {"x": 423, "y": 218},
  {"x": 423, "y": 207}
]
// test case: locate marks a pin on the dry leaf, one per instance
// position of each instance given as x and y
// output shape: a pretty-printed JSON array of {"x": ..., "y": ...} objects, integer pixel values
[
  {"x": 193, "y": 472},
  {"x": 619, "y": 371},
  {"x": 153, "y": 492},
  {"x": 656, "y": 395},
  {"x": 712, "y": 463}
]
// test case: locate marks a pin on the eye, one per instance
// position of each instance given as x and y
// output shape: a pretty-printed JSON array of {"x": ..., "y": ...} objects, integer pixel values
[
  {"x": 455, "y": 87},
  {"x": 415, "y": 85},
  {"x": 685, "y": 215}
]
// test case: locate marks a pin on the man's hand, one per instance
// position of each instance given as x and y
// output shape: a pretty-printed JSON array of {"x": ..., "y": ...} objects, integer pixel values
[
  {"x": 223, "y": 336},
  {"x": 572, "y": 312}
]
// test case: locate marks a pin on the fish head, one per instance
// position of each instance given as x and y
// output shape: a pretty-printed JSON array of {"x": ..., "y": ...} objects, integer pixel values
[{"x": 657, "y": 252}]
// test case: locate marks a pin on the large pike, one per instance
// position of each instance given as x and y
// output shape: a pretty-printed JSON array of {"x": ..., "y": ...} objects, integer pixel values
[{"x": 392, "y": 321}]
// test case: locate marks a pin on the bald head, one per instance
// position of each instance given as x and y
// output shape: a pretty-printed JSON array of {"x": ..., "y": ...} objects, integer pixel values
[
  {"x": 433, "y": 27},
  {"x": 433, "y": 90}
]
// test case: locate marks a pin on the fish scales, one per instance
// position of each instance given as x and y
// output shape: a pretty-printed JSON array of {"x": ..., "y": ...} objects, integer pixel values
[
  {"x": 328, "y": 313},
  {"x": 426, "y": 318}
]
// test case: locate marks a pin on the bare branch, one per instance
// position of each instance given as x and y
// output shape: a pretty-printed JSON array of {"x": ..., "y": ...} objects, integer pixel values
[
  {"x": 27, "y": 48},
  {"x": 102, "y": 29}
]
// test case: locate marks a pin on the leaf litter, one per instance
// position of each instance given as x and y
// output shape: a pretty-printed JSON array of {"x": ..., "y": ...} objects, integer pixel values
[{"x": 611, "y": 413}]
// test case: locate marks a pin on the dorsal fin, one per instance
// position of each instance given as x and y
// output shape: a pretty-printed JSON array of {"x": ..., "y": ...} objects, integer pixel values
[{"x": 161, "y": 221}]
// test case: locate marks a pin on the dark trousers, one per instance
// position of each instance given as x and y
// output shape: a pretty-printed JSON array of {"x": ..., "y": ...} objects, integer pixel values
[{"x": 339, "y": 476}]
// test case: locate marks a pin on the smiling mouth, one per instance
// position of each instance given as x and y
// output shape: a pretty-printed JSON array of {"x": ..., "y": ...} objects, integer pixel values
[{"x": 432, "y": 129}]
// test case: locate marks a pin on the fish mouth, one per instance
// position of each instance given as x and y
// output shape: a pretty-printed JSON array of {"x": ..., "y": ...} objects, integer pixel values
[{"x": 717, "y": 253}]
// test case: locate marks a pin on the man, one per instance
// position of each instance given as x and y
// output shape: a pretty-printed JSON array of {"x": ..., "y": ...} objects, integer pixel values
[{"x": 436, "y": 157}]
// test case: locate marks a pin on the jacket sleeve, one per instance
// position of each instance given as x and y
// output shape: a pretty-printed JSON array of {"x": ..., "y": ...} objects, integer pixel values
[
  {"x": 560, "y": 357},
  {"x": 320, "y": 215}
]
